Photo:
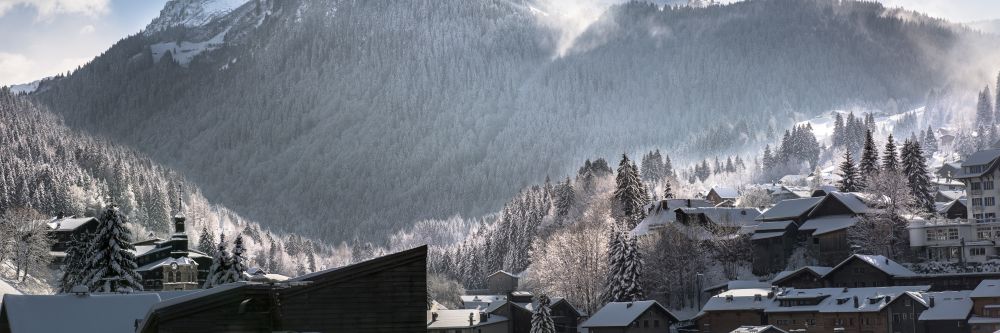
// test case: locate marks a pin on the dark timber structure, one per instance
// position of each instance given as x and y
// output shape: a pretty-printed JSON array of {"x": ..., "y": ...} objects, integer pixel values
[{"x": 386, "y": 294}]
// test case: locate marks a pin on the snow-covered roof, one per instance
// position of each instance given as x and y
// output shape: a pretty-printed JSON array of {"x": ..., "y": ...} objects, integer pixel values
[
  {"x": 726, "y": 216},
  {"x": 948, "y": 305},
  {"x": 951, "y": 195},
  {"x": 979, "y": 158},
  {"x": 827, "y": 224},
  {"x": 481, "y": 301},
  {"x": 182, "y": 261},
  {"x": 852, "y": 201},
  {"x": 69, "y": 223},
  {"x": 773, "y": 225},
  {"x": 141, "y": 250},
  {"x": 741, "y": 284},
  {"x": 766, "y": 235},
  {"x": 987, "y": 288},
  {"x": 460, "y": 319},
  {"x": 818, "y": 270},
  {"x": 516, "y": 275},
  {"x": 841, "y": 300},
  {"x": 662, "y": 213},
  {"x": 725, "y": 192},
  {"x": 945, "y": 207},
  {"x": 738, "y": 299},
  {"x": 977, "y": 320},
  {"x": 621, "y": 314},
  {"x": 792, "y": 179},
  {"x": 759, "y": 329},
  {"x": 881, "y": 263},
  {"x": 789, "y": 209},
  {"x": 106, "y": 313}
]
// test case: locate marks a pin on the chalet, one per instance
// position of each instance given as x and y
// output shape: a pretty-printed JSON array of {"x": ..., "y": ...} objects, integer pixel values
[
  {"x": 807, "y": 277},
  {"x": 520, "y": 305},
  {"x": 662, "y": 213},
  {"x": 723, "y": 220},
  {"x": 502, "y": 282},
  {"x": 947, "y": 311},
  {"x": 948, "y": 171},
  {"x": 866, "y": 271},
  {"x": 62, "y": 230},
  {"x": 979, "y": 172},
  {"x": 827, "y": 225},
  {"x": 465, "y": 321},
  {"x": 732, "y": 309},
  {"x": 955, "y": 209},
  {"x": 880, "y": 309},
  {"x": 171, "y": 264},
  {"x": 352, "y": 297},
  {"x": 718, "y": 194},
  {"x": 795, "y": 210},
  {"x": 985, "y": 315},
  {"x": 759, "y": 329},
  {"x": 788, "y": 192},
  {"x": 625, "y": 317},
  {"x": 79, "y": 312},
  {"x": 773, "y": 242}
]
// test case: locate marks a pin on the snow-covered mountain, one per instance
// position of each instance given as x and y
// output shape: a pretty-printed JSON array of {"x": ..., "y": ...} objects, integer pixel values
[
  {"x": 191, "y": 13},
  {"x": 345, "y": 119}
]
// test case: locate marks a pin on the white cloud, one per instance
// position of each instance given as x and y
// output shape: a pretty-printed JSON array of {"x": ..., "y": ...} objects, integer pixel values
[
  {"x": 47, "y": 8},
  {"x": 952, "y": 10},
  {"x": 87, "y": 29},
  {"x": 12, "y": 68}
]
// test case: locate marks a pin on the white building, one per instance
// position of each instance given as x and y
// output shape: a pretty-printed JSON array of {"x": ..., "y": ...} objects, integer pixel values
[{"x": 978, "y": 173}]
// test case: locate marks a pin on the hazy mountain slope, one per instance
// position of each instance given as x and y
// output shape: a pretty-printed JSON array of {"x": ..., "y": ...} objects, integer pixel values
[{"x": 342, "y": 118}]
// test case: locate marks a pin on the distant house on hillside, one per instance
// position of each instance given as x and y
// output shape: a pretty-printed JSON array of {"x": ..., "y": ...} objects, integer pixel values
[
  {"x": 719, "y": 194},
  {"x": 807, "y": 277},
  {"x": 662, "y": 213},
  {"x": 502, "y": 282},
  {"x": 63, "y": 229},
  {"x": 520, "y": 305},
  {"x": 626, "y": 317},
  {"x": 720, "y": 219},
  {"x": 827, "y": 223}
]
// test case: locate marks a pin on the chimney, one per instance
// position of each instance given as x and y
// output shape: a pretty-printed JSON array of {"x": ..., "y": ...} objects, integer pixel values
[
  {"x": 931, "y": 302},
  {"x": 434, "y": 316},
  {"x": 756, "y": 298},
  {"x": 629, "y": 305},
  {"x": 472, "y": 319},
  {"x": 856, "y": 305},
  {"x": 483, "y": 316},
  {"x": 689, "y": 203},
  {"x": 729, "y": 298},
  {"x": 60, "y": 215}
]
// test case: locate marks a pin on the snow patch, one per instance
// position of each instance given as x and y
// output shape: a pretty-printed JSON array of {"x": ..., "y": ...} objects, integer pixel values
[
  {"x": 191, "y": 13},
  {"x": 183, "y": 52},
  {"x": 26, "y": 88}
]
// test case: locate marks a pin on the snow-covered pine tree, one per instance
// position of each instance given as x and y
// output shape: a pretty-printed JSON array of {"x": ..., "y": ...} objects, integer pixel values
[
  {"x": 850, "y": 181},
  {"x": 565, "y": 197},
  {"x": 632, "y": 283},
  {"x": 984, "y": 108},
  {"x": 112, "y": 266},
  {"x": 768, "y": 159},
  {"x": 205, "y": 242},
  {"x": 541, "y": 318},
  {"x": 890, "y": 161},
  {"x": 668, "y": 193},
  {"x": 839, "y": 131},
  {"x": 74, "y": 264},
  {"x": 868, "y": 166},
  {"x": 220, "y": 265},
  {"x": 613, "y": 284},
  {"x": 237, "y": 263},
  {"x": 630, "y": 195},
  {"x": 915, "y": 169},
  {"x": 668, "y": 166},
  {"x": 930, "y": 144}
]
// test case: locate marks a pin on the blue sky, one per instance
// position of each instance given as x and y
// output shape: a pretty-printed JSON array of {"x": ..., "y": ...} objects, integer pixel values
[{"x": 40, "y": 38}]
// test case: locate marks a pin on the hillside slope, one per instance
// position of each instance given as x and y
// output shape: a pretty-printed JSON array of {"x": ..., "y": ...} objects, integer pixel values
[{"x": 348, "y": 118}]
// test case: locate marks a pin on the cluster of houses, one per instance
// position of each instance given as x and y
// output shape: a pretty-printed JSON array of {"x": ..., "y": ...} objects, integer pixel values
[{"x": 837, "y": 291}]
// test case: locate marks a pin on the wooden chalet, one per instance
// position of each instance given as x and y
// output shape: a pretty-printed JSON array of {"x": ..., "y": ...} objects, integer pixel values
[
  {"x": 502, "y": 282},
  {"x": 985, "y": 315},
  {"x": 719, "y": 194},
  {"x": 171, "y": 264},
  {"x": 520, "y": 305},
  {"x": 827, "y": 224},
  {"x": 62, "y": 230},
  {"x": 353, "y": 298},
  {"x": 807, "y": 277},
  {"x": 628, "y": 317}
]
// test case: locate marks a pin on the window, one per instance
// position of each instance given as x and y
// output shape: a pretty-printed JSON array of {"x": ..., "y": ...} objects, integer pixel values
[
  {"x": 989, "y": 201},
  {"x": 645, "y": 323},
  {"x": 976, "y": 186},
  {"x": 988, "y": 185},
  {"x": 941, "y": 234},
  {"x": 976, "y": 202},
  {"x": 977, "y": 251}
]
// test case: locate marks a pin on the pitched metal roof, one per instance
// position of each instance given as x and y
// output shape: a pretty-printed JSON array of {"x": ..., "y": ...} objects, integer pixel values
[
  {"x": 622, "y": 314},
  {"x": 789, "y": 209}
]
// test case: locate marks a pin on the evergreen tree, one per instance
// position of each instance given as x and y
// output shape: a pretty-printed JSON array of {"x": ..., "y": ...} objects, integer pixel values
[
  {"x": 768, "y": 158},
  {"x": 839, "y": 131},
  {"x": 869, "y": 159},
  {"x": 237, "y": 263},
  {"x": 984, "y": 108},
  {"x": 541, "y": 318},
  {"x": 112, "y": 266},
  {"x": 930, "y": 144},
  {"x": 74, "y": 264},
  {"x": 630, "y": 195},
  {"x": 890, "y": 161},
  {"x": 915, "y": 169},
  {"x": 850, "y": 181},
  {"x": 632, "y": 284},
  {"x": 668, "y": 167},
  {"x": 624, "y": 280},
  {"x": 205, "y": 243},
  {"x": 220, "y": 265},
  {"x": 668, "y": 193},
  {"x": 565, "y": 197},
  {"x": 616, "y": 267}
]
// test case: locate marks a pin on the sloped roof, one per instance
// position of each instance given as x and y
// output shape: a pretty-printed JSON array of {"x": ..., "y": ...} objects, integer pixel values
[
  {"x": 460, "y": 319},
  {"x": 106, "y": 313},
  {"x": 948, "y": 206},
  {"x": 987, "y": 288},
  {"x": 766, "y": 235},
  {"x": 759, "y": 329},
  {"x": 817, "y": 270},
  {"x": 984, "y": 157},
  {"x": 789, "y": 209},
  {"x": 827, "y": 224},
  {"x": 951, "y": 195},
  {"x": 69, "y": 223},
  {"x": 948, "y": 305},
  {"x": 725, "y": 192},
  {"x": 741, "y": 284},
  {"x": 738, "y": 299},
  {"x": 726, "y": 216},
  {"x": 663, "y": 213},
  {"x": 621, "y": 314},
  {"x": 773, "y": 225},
  {"x": 515, "y": 275},
  {"x": 182, "y": 261},
  {"x": 881, "y": 263},
  {"x": 841, "y": 300}
]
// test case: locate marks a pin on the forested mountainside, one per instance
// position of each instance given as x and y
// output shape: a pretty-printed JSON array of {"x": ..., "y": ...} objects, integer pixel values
[
  {"x": 52, "y": 169},
  {"x": 346, "y": 118}
]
